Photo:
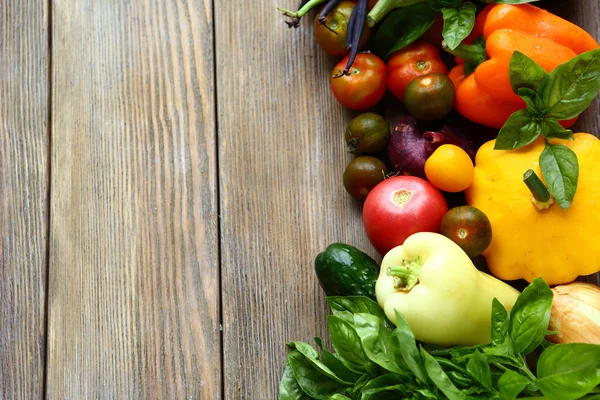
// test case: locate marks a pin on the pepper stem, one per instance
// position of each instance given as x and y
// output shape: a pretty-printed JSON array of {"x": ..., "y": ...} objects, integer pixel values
[
  {"x": 541, "y": 197},
  {"x": 472, "y": 54},
  {"x": 384, "y": 7},
  {"x": 406, "y": 275}
]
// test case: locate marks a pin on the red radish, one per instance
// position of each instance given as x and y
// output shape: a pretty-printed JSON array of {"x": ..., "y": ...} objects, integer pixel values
[{"x": 400, "y": 206}]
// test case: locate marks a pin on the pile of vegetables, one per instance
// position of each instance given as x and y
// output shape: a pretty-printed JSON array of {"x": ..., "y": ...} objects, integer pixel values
[{"x": 426, "y": 322}]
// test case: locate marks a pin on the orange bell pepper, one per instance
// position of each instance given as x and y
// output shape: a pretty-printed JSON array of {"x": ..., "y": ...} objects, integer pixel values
[{"x": 486, "y": 96}]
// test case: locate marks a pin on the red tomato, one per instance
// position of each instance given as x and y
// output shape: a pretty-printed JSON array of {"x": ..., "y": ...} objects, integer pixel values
[
  {"x": 364, "y": 86},
  {"x": 399, "y": 207},
  {"x": 415, "y": 60}
]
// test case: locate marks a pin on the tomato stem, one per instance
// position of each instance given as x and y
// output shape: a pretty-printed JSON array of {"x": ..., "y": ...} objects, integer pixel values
[
  {"x": 384, "y": 7},
  {"x": 309, "y": 5}
]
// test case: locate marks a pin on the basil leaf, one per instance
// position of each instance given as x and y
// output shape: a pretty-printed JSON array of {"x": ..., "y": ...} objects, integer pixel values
[
  {"x": 313, "y": 356},
  {"x": 459, "y": 380},
  {"x": 378, "y": 343},
  {"x": 384, "y": 383},
  {"x": 356, "y": 305},
  {"x": 560, "y": 168},
  {"x": 310, "y": 379},
  {"x": 479, "y": 369},
  {"x": 338, "y": 396},
  {"x": 458, "y": 23},
  {"x": 338, "y": 367},
  {"x": 402, "y": 27},
  {"x": 574, "y": 85},
  {"x": 289, "y": 388},
  {"x": 361, "y": 382},
  {"x": 524, "y": 72},
  {"x": 552, "y": 129},
  {"x": 530, "y": 316},
  {"x": 346, "y": 343},
  {"x": 408, "y": 348},
  {"x": 510, "y": 138},
  {"x": 533, "y": 101},
  {"x": 569, "y": 371},
  {"x": 439, "y": 4},
  {"x": 499, "y": 322},
  {"x": 477, "y": 54},
  {"x": 439, "y": 377},
  {"x": 511, "y": 384}
]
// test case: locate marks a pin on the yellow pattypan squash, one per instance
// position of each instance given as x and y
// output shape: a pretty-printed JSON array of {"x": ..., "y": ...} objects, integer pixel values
[{"x": 554, "y": 244}]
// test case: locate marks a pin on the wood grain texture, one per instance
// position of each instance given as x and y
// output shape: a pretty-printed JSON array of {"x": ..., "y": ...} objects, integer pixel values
[
  {"x": 281, "y": 159},
  {"x": 23, "y": 197},
  {"x": 133, "y": 286}
]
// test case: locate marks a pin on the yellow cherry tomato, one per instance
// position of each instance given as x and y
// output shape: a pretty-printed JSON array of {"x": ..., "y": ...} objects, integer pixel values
[{"x": 450, "y": 168}]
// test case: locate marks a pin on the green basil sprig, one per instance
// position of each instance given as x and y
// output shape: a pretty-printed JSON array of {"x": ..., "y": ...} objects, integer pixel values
[
  {"x": 562, "y": 94},
  {"x": 375, "y": 360}
]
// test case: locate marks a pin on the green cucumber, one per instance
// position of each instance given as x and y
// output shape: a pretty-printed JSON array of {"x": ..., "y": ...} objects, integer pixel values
[{"x": 343, "y": 270}]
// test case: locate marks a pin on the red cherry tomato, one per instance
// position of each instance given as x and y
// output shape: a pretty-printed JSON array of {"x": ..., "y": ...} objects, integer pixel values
[
  {"x": 415, "y": 60},
  {"x": 399, "y": 207},
  {"x": 364, "y": 86}
]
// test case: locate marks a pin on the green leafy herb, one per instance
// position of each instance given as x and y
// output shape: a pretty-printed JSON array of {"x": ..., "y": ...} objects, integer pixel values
[
  {"x": 530, "y": 316},
  {"x": 552, "y": 129},
  {"x": 499, "y": 322},
  {"x": 338, "y": 396},
  {"x": 569, "y": 371},
  {"x": 533, "y": 101},
  {"x": 561, "y": 95},
  {"x": 525, "y": 73},
  {"x": 346, "y": 343},
  {"x": 511, "y": 384},
  {"x": 458, "y": 23},
  {"x": 310, "y": 379},
  {"x": 378, "y": 343},
  {"x": 289, "y": 388},
  {"x": 384, "y": 383},
  {"x": 356, "y": 305},
  {"x": 408, "y": 348},
  {"x": 479, "y": 369},
  {"x": 439, "y": 377},
  {"x": 402, "y": 27},
  {"x": 560, "y": 168},
  {"x": 511, "y": 136},
  {"x": 368, "y": 356},
  {"x": 575, "y": 84},
  {"x": 313, "y": 357}
]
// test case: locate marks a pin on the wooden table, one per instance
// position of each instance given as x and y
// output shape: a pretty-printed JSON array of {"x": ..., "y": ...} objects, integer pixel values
[{"x": 169, "y": 170}]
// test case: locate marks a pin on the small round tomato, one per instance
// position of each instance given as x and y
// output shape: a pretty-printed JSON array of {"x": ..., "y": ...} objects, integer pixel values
[
  {"x": 429, "y": 97},
  {"x": 417, "y": 59},
  {"x": 399, "y": 207},
  {"x": 362, "y": 175},
  {"x": 368, "y": 133},
  {"x": 365, "y": 84},
  {"x": 449, "y": 168},
  {"x": 331, "y": 35},
  {"x": 468, "y": 227}
]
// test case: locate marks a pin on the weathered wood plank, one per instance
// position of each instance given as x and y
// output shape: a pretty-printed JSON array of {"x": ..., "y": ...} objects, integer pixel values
[
  {"x": 23, "y": 197},
  {"x": 281, "y": 160},
  {"x": 133, "y": 286}
]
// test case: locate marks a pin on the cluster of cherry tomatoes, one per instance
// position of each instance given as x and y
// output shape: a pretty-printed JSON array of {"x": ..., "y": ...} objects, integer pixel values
[{"x": 415, "y": 75}]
